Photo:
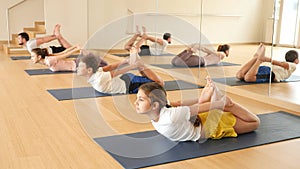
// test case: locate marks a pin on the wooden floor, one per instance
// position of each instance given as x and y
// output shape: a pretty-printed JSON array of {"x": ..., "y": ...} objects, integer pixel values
[{"x": 39, "y": 132}]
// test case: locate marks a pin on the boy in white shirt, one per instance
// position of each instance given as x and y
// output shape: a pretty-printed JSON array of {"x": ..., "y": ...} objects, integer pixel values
[
  {"x": 253, "y": 72},
  {"x": 158, "y": 46},
  {"x": 113, "y": 78}
]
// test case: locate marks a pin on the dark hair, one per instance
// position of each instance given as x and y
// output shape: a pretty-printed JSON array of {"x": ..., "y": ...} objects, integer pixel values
[
  {"x": 24, "y": 35},
  {"x": 155, "y": 92},
  {"x": 91, "y": 61},
  {"x": 166, "y": 36},
  {"x": 223, "y": 48},
  {"x": 291, "y": 56},
  {"x": 43, "y": 52}
]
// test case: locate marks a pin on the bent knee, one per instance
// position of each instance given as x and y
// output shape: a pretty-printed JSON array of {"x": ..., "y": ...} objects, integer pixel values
[
  {"x": 161, "y": 82},
  {"x": 177, "y": 61},
  {"x": 250, "y": 78},
  {"x": 239, "y": 76}
]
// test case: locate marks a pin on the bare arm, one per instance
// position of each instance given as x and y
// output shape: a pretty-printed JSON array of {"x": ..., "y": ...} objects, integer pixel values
[
  {"x": 114, "y": 66},
  {"x": 184, "y": 102},
  {"x": 154, "y": 39},
  {"x": 117, "y": 72},
  {"x": 65, "y": 51},
  {"x": 208, "y": 51},
  {"x": 65, "y": 54},
  {"x": 204, "y": 107},
  {"x": 45, "y": 39},
  {"x": 281, "y": 64}
]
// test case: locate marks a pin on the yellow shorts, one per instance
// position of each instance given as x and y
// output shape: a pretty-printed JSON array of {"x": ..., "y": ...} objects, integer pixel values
[{"x": 218, "y": 124}]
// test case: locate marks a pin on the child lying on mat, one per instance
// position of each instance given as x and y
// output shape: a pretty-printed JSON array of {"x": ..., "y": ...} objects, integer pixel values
[
  {"x": 56, "y": 57},
  {"x": 157, "y": 47},
  {"x": 55, "y": 62},
  {"x": 252, "y": 71},
  {"x": 216, "y": 116},
  {"x": 59, "y": 61},
  {"x": 113, "y": 78},
  {"x": 189, "y": 58}
]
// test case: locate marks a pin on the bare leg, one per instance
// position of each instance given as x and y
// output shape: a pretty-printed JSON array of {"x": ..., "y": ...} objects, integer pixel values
[
  {"x": 246, "y": 121},
  {"x": 147, "y": 72},
  {"x": 207, "y": 91},
  {"x": 246, "y": 67},
  {"x": 46, "y": 39},
  {"x": 131, "y": 42},
  {"x": 60, "y": 38}
]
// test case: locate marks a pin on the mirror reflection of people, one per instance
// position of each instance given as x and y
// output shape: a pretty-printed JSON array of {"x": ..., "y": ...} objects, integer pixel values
[
  {"x": 157, "y": 47},
  {"x": 188, "y": 57},
  {"x": 253, "y": 71}
]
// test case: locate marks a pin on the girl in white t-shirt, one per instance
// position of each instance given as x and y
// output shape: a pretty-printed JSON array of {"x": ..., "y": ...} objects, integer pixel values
[{"x": 217, "y": 116}]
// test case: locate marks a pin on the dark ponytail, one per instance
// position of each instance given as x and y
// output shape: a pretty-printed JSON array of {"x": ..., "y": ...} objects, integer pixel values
[
  {"x": 43, "y": 52},
  {"x": 223, "y": 48}
]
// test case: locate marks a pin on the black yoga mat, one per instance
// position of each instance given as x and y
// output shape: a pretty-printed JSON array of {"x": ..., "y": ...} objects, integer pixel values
[
  {"x": 28, "y": 57},
  {"x": 127, "y": 54},
  {"x": 89, "y": 92},
  {"x": 232, "y": 81},
  {"x": 126, "y": 149},
  {"x": 170, "y": 66},
  {"x": 32, "y": 72}
]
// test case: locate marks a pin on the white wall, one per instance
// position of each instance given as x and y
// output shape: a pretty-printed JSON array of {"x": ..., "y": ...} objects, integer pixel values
[
  {"x": 3, "y": 28},
  {"x": 20, "y": 16},
  {"x": 72, "y": 15},
  {"x": 230, "y": 21}
]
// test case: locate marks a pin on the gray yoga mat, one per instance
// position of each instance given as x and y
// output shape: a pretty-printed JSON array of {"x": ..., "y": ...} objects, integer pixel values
[
  {"x": 28, "y": 57},
  {"x": 275, "y": 127},
  {"x": 20, "y": 57},
  {"x": 170, "y": 66},
  {"x": 232, "y": 81},
  {"x": 33, "y": 72},
  {"x": 127, "y": 54},
  {"x": 89, "y": 92}
]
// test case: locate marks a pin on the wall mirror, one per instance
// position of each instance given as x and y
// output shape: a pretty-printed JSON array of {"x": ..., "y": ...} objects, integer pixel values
[{"x": 242, "y": 25}]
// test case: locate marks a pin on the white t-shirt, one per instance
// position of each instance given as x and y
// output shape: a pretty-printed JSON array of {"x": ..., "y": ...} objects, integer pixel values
[
  {"x": 31, "y": 44},
  {"x": 104, "y": 83},
  {"x": 157, "y": 49},
  {"x": 174, "y": 123},
  {"x": 281, "y": 73}
]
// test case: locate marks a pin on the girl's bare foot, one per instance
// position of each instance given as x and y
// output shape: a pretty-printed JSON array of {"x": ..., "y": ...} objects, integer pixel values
[
  {"x": 264, "y": 58},
  {"x": 207, "y": 91},
  {"x": 134, "y": 56}
]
